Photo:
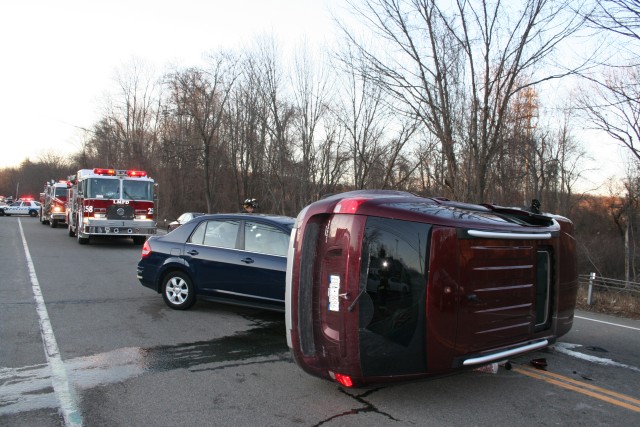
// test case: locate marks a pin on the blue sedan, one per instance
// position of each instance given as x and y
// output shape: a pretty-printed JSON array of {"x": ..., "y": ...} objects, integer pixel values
[{"x": 232, "y": 258}]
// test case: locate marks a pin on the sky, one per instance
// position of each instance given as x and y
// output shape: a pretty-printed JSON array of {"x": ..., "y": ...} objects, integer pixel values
[
  {"x": 59, "y": 57},
  {"x": 59, "y": 60}
]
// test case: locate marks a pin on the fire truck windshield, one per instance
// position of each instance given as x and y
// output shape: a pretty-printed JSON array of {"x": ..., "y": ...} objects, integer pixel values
[
  {"x": 103, "y": 188},
  {"x": 137, "y": 190},
  {"x": 61, "y": 192}
]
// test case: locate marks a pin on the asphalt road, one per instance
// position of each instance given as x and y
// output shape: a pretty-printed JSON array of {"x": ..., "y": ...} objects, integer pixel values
[{"x": 83, "y": 343}]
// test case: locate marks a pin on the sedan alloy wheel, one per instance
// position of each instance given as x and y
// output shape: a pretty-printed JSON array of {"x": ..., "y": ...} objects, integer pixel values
[{"x": 178, "y": 291}]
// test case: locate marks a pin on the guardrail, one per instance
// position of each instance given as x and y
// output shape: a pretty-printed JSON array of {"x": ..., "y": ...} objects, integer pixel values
[{"x": 592, "y": 281}]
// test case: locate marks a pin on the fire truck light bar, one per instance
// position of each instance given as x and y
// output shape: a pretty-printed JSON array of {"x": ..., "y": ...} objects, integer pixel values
[
  {"x": 113, "y": 172},
  {"x": 101, "y": 171}
]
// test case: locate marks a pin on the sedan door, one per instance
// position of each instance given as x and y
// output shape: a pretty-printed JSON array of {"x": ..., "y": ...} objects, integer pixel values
[
  {"x": 17, "y": 208},
  {"x": 212, "y": 253},
  {"x": 264, "y": 262}
]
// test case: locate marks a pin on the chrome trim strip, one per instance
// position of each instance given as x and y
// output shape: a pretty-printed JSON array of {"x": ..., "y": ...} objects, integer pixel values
[
  {"x": 506, "y": 353},
  {"x": 514, "y": 236}
]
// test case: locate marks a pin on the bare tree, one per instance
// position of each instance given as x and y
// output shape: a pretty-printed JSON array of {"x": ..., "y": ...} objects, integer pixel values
[
  {"x": 457, "y": 65},
  {"x": 364, "y": 115},
  {"x": 205, "y": 95},
  {"x": 245, "y": 131},
  {"x": 278, "y": 121},
  {"x": 612, "y": 100},
  {"x": 569, "y": 156},
  {"x": 56, "y": 161},
  {"x": 312, "y": 91},
  {"x": 613, "y": 106},
  {"x": 132, "y": 119},
  {"x": 621, "y": 17}
]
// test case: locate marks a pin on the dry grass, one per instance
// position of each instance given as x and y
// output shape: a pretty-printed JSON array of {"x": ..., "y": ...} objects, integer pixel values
[{"x": 616, "y": 303}]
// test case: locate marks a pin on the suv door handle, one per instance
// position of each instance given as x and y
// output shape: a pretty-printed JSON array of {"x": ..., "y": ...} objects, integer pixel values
[
  {"x": 247, "y": 260},
  {"x": 192, "y": 252}
]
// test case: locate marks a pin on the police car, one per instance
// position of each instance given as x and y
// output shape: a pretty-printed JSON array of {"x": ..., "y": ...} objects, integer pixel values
[{"x": 21, "y": 207}]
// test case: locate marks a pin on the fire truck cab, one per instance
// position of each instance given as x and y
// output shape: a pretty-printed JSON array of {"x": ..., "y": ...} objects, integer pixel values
[
  {"x": 112, "y": 203},
  {"x": 53, "y": 203}
]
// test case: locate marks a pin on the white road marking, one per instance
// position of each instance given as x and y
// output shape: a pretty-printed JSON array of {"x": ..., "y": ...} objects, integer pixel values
[
  {"x": 61, "y": 386},
  {"x": 608, "y": 323},
  {"x": 566, "y": 348}
]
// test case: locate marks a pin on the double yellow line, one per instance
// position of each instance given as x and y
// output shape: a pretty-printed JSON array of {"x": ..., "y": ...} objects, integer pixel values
[{"x": 600, "y": 393}]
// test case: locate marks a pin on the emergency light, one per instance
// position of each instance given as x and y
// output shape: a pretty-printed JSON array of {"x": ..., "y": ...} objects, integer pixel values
[
  {"x": 101, "y": 171},
  {"x": 112, "y": 172}
]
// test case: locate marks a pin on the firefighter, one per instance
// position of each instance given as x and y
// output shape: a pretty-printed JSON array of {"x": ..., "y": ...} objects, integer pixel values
[{"x": 249, "y": 205}]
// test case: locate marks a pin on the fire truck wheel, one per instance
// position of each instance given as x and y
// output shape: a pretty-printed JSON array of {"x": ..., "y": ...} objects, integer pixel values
[{"x": 178, "y": 291}]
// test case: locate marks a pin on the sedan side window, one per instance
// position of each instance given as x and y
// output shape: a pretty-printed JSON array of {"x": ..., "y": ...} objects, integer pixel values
[
  {"x": 265, "y": 239},
  {"x": 221, "y": 234},
  {"x": 198, "y": 236}
]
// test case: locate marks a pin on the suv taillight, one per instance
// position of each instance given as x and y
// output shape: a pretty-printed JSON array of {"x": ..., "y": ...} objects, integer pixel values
[{"x": 349, "y": 206}]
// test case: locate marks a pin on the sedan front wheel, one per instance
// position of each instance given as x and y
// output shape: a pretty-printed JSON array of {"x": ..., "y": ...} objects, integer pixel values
[{"x": 177, "y": 291}]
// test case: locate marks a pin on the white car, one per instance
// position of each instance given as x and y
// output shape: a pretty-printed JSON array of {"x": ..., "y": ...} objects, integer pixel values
[{"x": 30, "y": 208}]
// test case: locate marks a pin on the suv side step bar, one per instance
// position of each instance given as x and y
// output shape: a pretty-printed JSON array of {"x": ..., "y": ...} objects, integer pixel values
[{"x": 504, "y": 354}]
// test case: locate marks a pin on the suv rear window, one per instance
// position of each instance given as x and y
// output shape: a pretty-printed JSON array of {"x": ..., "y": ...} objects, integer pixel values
[{"x": 392, "y": 311}]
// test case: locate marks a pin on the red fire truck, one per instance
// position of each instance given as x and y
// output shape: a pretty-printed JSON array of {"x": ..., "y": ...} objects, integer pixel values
[
  {"x": 53, "y": 202},
  {"x": 113, "y": 203}
]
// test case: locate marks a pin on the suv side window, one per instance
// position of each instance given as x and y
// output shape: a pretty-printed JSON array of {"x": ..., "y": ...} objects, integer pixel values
[{"x": 265, "y": 239}]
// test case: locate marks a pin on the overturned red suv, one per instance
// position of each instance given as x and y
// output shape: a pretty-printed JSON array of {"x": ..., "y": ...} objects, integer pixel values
[{"x": 388, "y": 286}]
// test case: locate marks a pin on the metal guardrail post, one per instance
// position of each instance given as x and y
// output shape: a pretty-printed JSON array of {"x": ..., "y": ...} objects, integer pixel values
[{"x": 592, "y": 277}]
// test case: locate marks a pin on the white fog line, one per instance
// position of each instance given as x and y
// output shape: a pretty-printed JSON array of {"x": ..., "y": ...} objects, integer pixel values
[
  {"x": 608, "y": 323},
  {"x": 61, "y": 386}
]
